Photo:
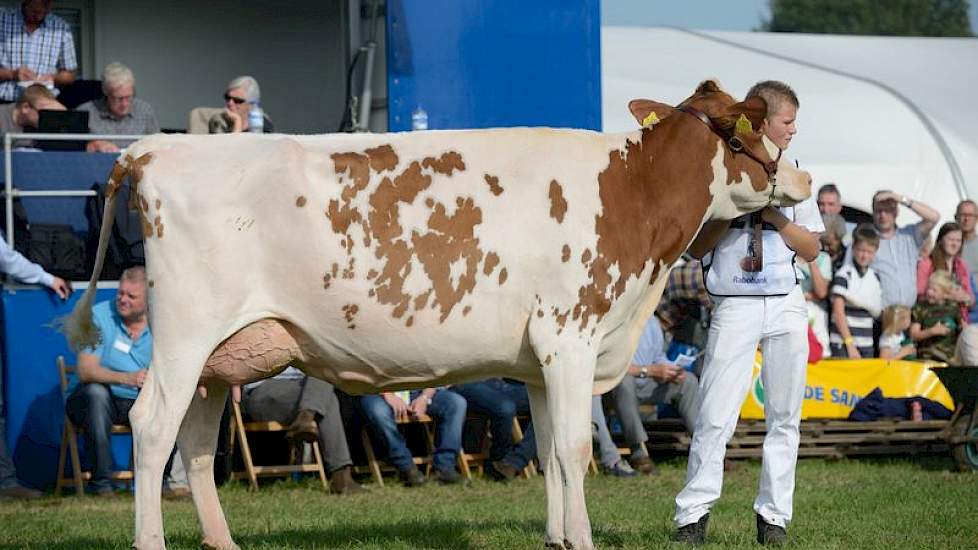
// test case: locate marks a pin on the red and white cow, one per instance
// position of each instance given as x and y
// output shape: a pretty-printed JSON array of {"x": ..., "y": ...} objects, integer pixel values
[{"x": 393, "y": 261}]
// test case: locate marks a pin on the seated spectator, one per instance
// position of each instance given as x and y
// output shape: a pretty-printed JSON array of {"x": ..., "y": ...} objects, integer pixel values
[
  {"x": 896, "y": 259},
  {"x": 856, "y": 298},
  {"x": 608, "y": 455},
  {"x": 499, "y": 401},
  {"x": 832, "y": 239},
  {"x": 894, "y": 341},
  {"x": 685, "y": 307},
  {"x": 241, "y": 95},
  {"x": 946, "y": 256},
  {"x": 310, "y": 407},
  {"x": 651, "y": 378},
  {"x": 120, "y": 112},
  {"x": 935, "y": 319},
  {"x": 814, "y": 278},
  {"x": 445, "y": 406},
  {"x": 110, "y": 375},
  {"x": 37, "y": 46},
  {"x": 23, "y": 115}
]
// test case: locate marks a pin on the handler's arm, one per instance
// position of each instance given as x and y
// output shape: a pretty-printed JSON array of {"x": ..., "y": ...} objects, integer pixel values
[
  {"x": 708, "y": 238},
  {"x": 798, "y": 238}
]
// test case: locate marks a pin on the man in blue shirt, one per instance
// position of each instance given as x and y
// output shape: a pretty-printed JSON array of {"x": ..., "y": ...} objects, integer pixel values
[
  {"x": 110, "y": 375},
  {"x": 14, "y": 264}
]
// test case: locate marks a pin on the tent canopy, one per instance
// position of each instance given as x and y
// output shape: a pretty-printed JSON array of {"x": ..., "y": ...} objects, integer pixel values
[{"x": 876, "y": 112}]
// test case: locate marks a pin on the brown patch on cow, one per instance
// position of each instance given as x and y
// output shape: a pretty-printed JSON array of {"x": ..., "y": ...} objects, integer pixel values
[
  {"x": 445, "y": 164},
  {"x": 410, "y": 321},
  {"x": 159, "y": 231},
  {"x": 586, "y": 256},
  {"x": 447, "y": 244},
  {"x": 558, "y": 204},
  {"x": 382, "y": 158},
  {"x": 348, "y": 271},
  {"x": 565, "y": 253},
  {"x": 151, "y": 283},
  {"x": 494, "y": 186},
  {"x": 451, "y": 239},
  {"x": 539, "y": 313},
  {"x": 490, "y": 263},
  {"x": 300, "y": 201},
  {"x": 653, "y": 198},
  {"x": 547, "y": 360},
  {"x": 466, "y": 310},
  {"x": 334, "y": 269},
  {"x": 143, "y": 208},
  {"x": 327, "y": 280},
  {"x": 159, "y": 203},
  {"x": 350, "y": 312},
  {"x": 503, "y": 274}
]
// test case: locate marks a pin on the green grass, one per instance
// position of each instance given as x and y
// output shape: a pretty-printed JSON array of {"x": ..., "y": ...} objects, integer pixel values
[{"x": 883, "y": 504}]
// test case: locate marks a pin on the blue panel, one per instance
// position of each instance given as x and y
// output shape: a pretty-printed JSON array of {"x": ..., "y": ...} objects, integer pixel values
[
  {"x": 491, "y": 63},
  {"x": 58, "y": 172},
  {"x": 32, "y": 393}
]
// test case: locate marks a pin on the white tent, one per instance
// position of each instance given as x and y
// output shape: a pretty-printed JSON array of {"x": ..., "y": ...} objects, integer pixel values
[{"x": 876, "y": 112}]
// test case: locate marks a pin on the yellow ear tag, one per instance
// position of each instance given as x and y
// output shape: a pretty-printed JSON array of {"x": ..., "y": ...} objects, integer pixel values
[
  {"x": 650, "y": 120},
  {"x": 744, "y": 126}
]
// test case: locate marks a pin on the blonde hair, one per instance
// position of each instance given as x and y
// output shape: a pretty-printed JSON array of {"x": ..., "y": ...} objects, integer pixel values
[
  {"x": 895, "y": 317},
  {"x": 116, "y": 74},
  {"x": 942, "y": 280}
]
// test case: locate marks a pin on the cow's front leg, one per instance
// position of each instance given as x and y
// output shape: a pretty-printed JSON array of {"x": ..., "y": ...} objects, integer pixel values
[
  {"x": 197, "y": 442},
  {"x": 568, "y": 364},
  {"x": 553, "y": 480}
]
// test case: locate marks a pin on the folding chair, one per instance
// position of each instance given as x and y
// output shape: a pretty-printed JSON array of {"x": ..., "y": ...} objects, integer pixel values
[
  {"x": 69, "y": 443},
  {"x": 253, "y": 472}
]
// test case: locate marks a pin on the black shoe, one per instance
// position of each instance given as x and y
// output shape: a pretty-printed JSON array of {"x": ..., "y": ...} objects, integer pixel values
[
  {"x": 503, "y": 471},
  {"x": 19, "y": 491},
  {"x": 412, "y": 477},
  {"x": 447, "y": 477},
  {"x": 693, "y": 534},
  {"x": 769, "y": 534}
]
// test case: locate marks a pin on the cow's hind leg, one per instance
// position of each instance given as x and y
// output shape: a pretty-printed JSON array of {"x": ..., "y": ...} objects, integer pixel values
[
  {"x": 197, "y": 442},
  {"x": 155, "y": 420}
]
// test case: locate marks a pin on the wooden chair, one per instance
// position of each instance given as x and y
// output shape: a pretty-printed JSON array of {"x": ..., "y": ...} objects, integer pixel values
[
  {"x": 69, "y": 443},
  {"x": 253, "y": 472},
  {"x": 423, "y": 462}
]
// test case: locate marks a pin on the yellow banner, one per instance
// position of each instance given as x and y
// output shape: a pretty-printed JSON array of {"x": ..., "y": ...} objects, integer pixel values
[{"x": 834, "y": 386}]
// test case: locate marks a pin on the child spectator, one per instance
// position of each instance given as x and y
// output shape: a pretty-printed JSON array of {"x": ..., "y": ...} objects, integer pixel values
[
  {"x": 934, "y": 320},
  {"x": 894, "y": 342},
  {"x": 857, "y": 298},
  {"x": 946, "y": 256}
]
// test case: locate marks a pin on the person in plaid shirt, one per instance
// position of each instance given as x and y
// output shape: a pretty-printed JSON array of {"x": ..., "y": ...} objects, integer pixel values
[
  {"x": 35, "y": 46},
  {"x": 120, "y": 112}
]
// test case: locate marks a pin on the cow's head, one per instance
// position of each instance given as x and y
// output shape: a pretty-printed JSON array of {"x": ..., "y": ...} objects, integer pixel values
[{"x": 751, "y": 163}]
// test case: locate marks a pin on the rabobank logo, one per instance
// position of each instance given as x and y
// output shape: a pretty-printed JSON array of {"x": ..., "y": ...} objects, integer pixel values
[{"x": 757, "y": 390}]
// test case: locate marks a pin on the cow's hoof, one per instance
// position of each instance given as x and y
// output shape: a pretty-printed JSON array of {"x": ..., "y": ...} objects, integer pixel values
[
  {"x": 227, "y": 545},
  {"x": 557, "y": 545}
]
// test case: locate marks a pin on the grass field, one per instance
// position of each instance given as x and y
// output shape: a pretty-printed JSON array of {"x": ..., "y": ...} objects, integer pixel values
[{"x": 885, "y": 504}]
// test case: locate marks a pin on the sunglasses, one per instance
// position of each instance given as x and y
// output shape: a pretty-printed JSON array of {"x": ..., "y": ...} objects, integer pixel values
[{"x": 237, "y": 100}]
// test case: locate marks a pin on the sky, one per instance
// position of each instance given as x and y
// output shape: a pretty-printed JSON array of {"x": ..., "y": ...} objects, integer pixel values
[{"x": 720, "y": 15}]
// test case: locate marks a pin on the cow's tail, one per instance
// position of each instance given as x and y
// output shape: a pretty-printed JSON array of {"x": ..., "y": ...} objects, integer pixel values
[{"x": 77, "y": 326}]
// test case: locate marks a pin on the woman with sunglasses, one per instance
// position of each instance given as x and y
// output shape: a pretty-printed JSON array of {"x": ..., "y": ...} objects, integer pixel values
[{"x": 241, "y": 95}]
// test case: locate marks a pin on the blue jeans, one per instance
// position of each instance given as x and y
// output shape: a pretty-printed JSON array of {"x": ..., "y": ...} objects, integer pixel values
[
  {"x": 448, "y": 410},
  {"x": 493, "y": 399},
  {"x": 526, "y": 450},
  {"x": 93, "y": 408}
]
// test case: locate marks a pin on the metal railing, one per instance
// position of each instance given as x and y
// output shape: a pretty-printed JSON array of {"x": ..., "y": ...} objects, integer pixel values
[{"x": 10, "y": 192}]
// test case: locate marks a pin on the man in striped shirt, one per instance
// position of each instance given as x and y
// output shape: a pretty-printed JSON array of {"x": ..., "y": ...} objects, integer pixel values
[
  {"x": 35, "y": 46},
  {"x": 857, "y": 298}
]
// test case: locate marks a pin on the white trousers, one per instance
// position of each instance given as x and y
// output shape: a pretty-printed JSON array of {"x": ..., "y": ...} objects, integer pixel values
[{"x": 780, "y": 325}]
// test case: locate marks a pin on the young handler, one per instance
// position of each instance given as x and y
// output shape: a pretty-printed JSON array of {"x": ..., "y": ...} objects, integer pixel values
[{"x": 757, "y": 299}]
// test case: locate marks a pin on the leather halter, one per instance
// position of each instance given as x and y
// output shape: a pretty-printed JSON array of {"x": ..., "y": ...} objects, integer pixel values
[{"x": 733, "y": 142}]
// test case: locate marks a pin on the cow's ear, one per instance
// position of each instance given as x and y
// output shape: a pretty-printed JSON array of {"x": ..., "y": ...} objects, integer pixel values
[
  {"x": 648, "y": 112},
  {"x": 747, "y": 116}
]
